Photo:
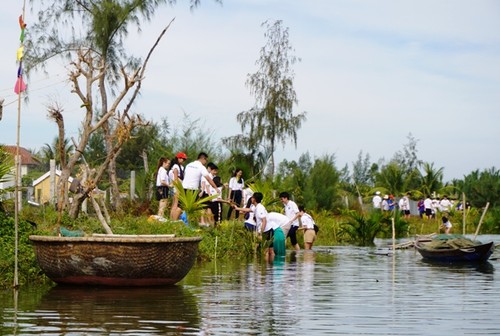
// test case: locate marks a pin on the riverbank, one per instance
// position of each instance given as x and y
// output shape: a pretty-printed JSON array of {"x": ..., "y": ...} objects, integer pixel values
[{"x": 229, "y": 240}]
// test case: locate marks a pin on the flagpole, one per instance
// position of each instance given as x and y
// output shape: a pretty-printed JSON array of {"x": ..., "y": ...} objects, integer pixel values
[{"x": 18, "y": 160}]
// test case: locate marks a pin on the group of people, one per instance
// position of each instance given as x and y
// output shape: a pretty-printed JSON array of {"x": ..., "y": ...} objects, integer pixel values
[
  {"x": 388, "y": 203},
  {"x": 198, "y": 176},
  {"x": 201, "y": 176},
  {"x": 275, "y": 227},
  {"x": 428, "y": 207}
]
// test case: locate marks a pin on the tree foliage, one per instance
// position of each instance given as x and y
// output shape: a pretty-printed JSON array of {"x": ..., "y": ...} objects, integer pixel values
[
  {"x": 482, "y": 187},
  {"x": 431, "y": 179},
  {"x": 322, "y": 185}
]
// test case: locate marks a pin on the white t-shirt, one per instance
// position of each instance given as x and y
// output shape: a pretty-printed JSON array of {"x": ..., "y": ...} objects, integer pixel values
[
  {"x": 250, "y": 219},
  {"x": 377, "y": 200},
  {"x": 234, "y": 185},
  {"x": 192, "y": 175},
  {"x": 275, "y": 220},
  {"x": 404, "y": 203},
  {"x": 171, "y": 172},
  {"x": 247, "y": 193},
  {"x": 213, "y": 191},
  {"x": 445, "y": 204},
  {"x": 307, "y": 221},
  {"x": 291, "y": 210},
  {"x": 428, "y": 203},
  {"x": 260, "y": 213},
  {"x": 162, "y": 177}
]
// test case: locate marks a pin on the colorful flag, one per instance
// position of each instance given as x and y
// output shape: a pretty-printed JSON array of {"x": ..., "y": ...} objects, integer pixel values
[
  {"x": 20, "y": 85},
  {"x": 22, "y": 25},
  {"x": 20, "y": 53}
]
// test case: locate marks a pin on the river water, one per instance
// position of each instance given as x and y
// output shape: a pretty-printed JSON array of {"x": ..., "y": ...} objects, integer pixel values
[{"x": 331, "y": 291}]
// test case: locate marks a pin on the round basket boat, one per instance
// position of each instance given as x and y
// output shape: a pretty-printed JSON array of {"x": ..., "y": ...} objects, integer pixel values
[{"x": 116, "y": 260}]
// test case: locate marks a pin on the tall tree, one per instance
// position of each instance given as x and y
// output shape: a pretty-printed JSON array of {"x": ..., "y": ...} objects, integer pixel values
[
  {"x": 391, "y": 177},
  {"x": 361, "y": 173},
  {"x": 271, "y": 120},
  {"x": 99, "y": 60},
  {"x": 322, "y": 186}
]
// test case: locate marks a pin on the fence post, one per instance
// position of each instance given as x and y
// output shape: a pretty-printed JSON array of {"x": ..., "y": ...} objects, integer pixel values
[{"x": 132, "y": 185}]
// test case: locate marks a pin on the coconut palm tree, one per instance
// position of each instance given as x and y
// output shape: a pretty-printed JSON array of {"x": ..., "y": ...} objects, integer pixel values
[{"x": 431, "y": 179}]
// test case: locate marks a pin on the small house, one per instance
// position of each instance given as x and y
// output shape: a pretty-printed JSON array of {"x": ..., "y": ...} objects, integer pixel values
[
  {"x": 27, "y": 161},
  {"x": 42, "y": 187}
]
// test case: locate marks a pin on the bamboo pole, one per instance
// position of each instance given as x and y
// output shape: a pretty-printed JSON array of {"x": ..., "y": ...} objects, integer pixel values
[
  {"x": 393, "y": 235},
  {"x": 18, "y": 175},
  {"x": 464, "y": 209},
  {"x": 481, "y": 220}
]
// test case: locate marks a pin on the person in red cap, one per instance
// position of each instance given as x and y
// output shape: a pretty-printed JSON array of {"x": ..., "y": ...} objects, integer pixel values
[{"x": 176, "y": 173}]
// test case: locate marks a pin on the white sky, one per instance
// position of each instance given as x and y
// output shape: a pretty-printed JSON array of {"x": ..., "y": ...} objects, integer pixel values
[{"x": 371, "y": 73}]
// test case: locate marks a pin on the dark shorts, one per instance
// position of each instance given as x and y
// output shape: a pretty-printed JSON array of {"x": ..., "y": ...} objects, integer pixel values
[
  {"x": 406, "y": 212},
  {"x": 250, "y": 227},
  {"x": 428, "y": 212},
  {"x": 293, "y": 235},
  {"x": 268, "y": 236},
  {"x": 161, "y": 192}
]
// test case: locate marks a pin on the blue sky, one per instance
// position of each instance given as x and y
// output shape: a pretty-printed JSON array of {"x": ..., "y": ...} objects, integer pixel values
[{"x": 371, "y": 72}]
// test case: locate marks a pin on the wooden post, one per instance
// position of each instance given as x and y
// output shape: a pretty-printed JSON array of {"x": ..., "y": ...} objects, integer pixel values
[
  {"x": 132, "y": 185},
  {"x": 393, "y": 235},
  {"x": 52, "y": 183},
  {"x": 481, "y": 220},
  {"x": 464, "y": 209}
]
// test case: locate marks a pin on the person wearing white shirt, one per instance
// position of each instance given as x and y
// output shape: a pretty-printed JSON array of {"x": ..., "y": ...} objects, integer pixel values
[
  {"x": 308, "y": 227},
  {"x": 162, "y": 184},
  {"x": 264, "y": 227},
  {"x": 194, "y": 171},
  {"x": 404, "y": 205},
  {"x": 445, "y": 204},
  {"x": 428, "y": 207},
  {"x": 215, "y": 205},
  {"x": 292, "y": 212},
  {"x": 377, "y": 200},
  {"x": 176, "y": 173},
  {"x": 236, "y": 185}
]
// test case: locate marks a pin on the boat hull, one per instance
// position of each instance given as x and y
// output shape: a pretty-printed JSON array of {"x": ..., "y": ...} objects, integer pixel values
[
  {"x": 478, "y": 253},
  {"x": 115, "y": 261}
]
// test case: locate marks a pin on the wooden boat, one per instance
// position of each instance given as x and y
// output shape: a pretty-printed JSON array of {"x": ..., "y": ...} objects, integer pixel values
[
  {"x": 446, "y": 248},
  {"x": 116, "y": 260}
]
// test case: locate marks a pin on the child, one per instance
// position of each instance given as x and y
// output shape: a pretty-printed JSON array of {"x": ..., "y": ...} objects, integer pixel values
[{"x": 446, "y": 226}]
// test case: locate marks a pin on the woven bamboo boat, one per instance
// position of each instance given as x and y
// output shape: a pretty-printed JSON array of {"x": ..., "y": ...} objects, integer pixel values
[{"x": 121, "y": 260}]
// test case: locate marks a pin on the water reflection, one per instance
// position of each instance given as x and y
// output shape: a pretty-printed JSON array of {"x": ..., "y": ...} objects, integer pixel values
[
  {"x": 126, "y": 311},
  {"x": 329, "y": 291},
  {"x": 484, "y": 267}
]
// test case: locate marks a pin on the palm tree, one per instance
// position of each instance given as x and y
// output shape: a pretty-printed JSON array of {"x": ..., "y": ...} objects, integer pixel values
[
  {"x": 392, "y": 178},
  {"x": 431, "y": 180},
  {"x": 52, "y": 152}
]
